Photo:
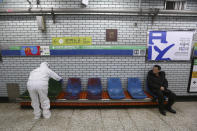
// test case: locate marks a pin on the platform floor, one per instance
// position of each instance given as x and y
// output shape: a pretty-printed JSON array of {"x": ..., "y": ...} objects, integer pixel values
[{"x": 13, "y": 118}]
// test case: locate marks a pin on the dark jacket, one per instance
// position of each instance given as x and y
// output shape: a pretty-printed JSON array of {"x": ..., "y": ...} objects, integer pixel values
[{"x": 154, "y": 82}]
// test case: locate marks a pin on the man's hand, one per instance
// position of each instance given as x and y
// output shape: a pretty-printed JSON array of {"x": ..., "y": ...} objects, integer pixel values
[{"x": 162, "y": 88}]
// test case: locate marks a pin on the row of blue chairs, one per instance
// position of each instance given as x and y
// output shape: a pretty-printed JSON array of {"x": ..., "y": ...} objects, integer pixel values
[{"x": 114, "y": 88}]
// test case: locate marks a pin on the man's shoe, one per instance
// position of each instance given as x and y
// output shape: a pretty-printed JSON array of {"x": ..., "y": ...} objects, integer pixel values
[
  {"x": 171, "y": 110},
  {"x": 162, "y": 112}
]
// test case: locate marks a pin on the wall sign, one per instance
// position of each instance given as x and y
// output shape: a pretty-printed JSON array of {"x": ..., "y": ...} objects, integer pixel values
[
  {"x": 30, "y": 50},
  {"x": 111, "y": 34},
  {"x": 98, "y": 50},
  {"x": 169, "y": 45},
  {"x": 60, "y": 41},
  {"x": 15, "y": 48},
  {"x": 44, "y": 51},
  {"x": 100, "y": 47},
  {"x": 195, "y": 49},
  {"x": 193, "y": 77},
  {"x": 74, "y": 50}
]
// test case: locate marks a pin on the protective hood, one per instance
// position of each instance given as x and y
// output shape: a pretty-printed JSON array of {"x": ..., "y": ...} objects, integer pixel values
[{"x": 44, "y": 65}]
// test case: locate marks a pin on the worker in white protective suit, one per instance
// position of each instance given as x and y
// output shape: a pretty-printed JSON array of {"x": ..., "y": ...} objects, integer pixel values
[{"x": 37, "y": 86}]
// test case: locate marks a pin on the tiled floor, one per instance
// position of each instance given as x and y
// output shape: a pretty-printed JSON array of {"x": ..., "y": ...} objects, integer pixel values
[{"x": 13, "y": 118}]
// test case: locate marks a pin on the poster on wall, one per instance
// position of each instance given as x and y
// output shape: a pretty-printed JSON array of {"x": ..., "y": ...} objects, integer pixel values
[
  {"x": 169, "y": 45},
  {"x": 44, "y": 50},
  {"x": 30, "y": 50},
  {"x": 111, "y": 34},
  {"x": 193, "y": 79},
  {"x": 60, "y": 41}
]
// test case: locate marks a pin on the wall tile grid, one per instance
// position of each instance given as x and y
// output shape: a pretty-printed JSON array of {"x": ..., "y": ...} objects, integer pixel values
[{"x": 23, "y": 30}]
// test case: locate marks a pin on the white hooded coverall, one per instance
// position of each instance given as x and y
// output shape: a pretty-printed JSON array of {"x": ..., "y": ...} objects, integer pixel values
[{"x": 37, "y": 86}]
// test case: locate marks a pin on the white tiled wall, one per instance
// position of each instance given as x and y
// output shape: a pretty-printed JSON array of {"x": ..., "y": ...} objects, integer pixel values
[{"x": 23, "y": 30}]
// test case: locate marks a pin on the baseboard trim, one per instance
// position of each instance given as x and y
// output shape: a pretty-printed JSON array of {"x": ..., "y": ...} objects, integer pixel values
[
  {"x": 178, "y": 99},
  {"x": 186, "y": 98},
  {"x": 4, "y": 100}
]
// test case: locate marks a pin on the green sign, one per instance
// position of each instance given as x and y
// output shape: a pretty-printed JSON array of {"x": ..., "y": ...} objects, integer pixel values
[
  {"x": 70, "y": 41},
  {"x": 99, "y": 47},
  {"x": 195, "y": 46},
  {"x": 15, "y": 48},
  {"x": 195, "y": 61}
]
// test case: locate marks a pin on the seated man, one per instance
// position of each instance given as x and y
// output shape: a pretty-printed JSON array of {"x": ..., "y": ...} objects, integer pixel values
[{"x": 158, "y": 84}]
